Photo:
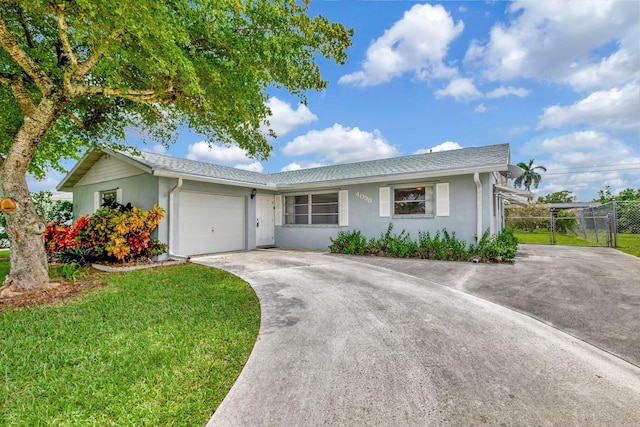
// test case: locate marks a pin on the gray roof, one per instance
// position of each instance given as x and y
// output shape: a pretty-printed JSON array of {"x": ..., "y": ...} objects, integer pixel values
[
  {"x": 444, "y": 163},
  {"x": 468, "y": 160},
  {"x": 164, "y": 162}
]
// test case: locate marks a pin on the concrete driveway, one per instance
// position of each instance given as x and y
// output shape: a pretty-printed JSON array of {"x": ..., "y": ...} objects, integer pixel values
[{"x": 372, "y": 341}]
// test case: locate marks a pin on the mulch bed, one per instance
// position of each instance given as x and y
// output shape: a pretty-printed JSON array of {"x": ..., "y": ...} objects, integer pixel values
[{"x": 66, "y": 289}]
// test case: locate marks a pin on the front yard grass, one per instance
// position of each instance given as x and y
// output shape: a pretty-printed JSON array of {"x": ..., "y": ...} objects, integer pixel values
[{"x": 158, "y": 347}]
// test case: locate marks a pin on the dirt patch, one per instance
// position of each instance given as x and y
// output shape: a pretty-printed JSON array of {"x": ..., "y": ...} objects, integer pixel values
[{"x": 62, "y": 290}]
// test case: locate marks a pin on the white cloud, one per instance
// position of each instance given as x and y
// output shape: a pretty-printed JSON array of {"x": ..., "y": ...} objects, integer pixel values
[
  {"x": 214, "y": 153},
  {"x": 231, "y": 156},
  {"x": 507, "y": 91},
  {"x": 480, "y": 109},
  {"x": 159, "y": 148},
  {"x": 253, "y": 167},
  {"x": 445, "y": 146},
  {"x": 339, "y": 144},
  {"x": 48, "y": 183},
  {"x": 584, "y": 162},
  {"x": 301, "y": 165},
  {"x": 463, "y": 89},
  {"x": 416, "y": 43},
  {"x": 284, "y": 118},
  {"x": 292, "y": 167},
  {"x": 549, "y": 39},
  {"x": 460, "y": 89},
  {"x": 616, "y": 69},
  {"x": 611, "y": 109}
]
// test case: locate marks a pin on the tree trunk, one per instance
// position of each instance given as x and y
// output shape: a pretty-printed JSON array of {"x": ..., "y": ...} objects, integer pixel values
[{"x": 28, "y": 259}]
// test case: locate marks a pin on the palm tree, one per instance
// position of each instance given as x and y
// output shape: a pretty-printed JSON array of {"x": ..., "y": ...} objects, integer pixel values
[{"x": 530, "y": 176}]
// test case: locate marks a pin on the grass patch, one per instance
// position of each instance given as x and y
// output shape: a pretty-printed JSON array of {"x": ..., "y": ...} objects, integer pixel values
[
  {"x": 627, "y": 243},
  {"x": 4, "y": 263},
  {"x": 153, "y": 347},
  {"x": 542, "y": 236}
]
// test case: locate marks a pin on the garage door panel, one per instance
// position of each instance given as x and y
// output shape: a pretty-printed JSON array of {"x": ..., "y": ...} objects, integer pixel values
[{"x": 210, "y": 223}]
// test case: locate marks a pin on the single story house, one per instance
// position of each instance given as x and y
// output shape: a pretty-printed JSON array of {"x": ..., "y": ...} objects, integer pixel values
[{"x": 212, "y": 208}]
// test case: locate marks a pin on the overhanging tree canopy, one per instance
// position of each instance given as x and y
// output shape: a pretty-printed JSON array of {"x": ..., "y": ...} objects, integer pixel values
[{"x": 75, "y": 73}]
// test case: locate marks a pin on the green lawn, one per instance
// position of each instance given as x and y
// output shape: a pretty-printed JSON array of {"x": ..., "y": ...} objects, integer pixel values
[
  {"x": 155, "y": 347},
  {"x": 628, "y": 243},
  {"x": 543, "y": 236}
]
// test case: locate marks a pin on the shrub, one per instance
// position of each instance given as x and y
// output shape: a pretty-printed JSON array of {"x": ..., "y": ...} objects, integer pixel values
[
  {"x": 441, "y": 246},
  {"x": 501, "y": 247},
  {"x": 349, "y": 242},
  {"x": 528, "y": 218},
  {"x": 395, "y": 245},
  {"x": 114, "y": 233},
  {"x": 566, "y": 221}
]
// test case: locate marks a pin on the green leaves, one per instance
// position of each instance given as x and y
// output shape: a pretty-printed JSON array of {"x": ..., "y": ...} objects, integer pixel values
[{"x": 208, "y": 63}]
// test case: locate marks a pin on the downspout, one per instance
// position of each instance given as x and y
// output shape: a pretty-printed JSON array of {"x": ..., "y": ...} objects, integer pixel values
[
  {"x": 476, "y": 178},
  {"x": 171, "y": 193}
]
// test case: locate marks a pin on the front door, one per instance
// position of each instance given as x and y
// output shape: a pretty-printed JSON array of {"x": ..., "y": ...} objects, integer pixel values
[{"x": 265, "y": 228}]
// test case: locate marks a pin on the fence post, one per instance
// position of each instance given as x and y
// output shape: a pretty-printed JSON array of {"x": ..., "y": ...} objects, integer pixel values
[
  {"x": 610, "y": 237},
  {"x": 615, "y": 224},
  {"x": 552, "y": 229}
]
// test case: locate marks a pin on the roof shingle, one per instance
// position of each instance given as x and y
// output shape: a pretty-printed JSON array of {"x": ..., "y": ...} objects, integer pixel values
[{"x": 443, "y": 161}]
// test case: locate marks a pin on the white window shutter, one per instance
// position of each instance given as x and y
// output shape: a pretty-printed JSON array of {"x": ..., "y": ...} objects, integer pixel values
[
  {"x": 343, "y": 208},
  {"x": 385, "y": 202},
  {"x": 96, "y": 201},
  {"x": 278, "y": 210},
  {"x": 442, "y": 199},
  {"x": 119, "y": 195}
]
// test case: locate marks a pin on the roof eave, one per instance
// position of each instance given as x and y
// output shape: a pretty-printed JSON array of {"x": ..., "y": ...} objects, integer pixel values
[
  {"x": 90, "y": 159},
  {"x": 199, "y": 178},
  {"x": 392, "y": 177}
]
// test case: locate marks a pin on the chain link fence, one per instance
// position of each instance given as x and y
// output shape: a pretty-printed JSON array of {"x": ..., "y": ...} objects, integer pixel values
[
  {"x": 614, "y": 224},
  {"x": 617, "y": 223}
]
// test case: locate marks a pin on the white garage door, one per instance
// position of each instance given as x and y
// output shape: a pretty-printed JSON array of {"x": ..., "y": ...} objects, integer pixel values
[{"x": 209, "y": 223}]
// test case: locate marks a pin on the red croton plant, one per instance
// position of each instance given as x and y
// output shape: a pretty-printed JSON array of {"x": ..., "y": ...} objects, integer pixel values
[{"x": 116, "y": 233}]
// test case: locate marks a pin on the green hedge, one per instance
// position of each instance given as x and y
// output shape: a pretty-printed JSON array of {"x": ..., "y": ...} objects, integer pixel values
[{"x": 441, "y": 246}]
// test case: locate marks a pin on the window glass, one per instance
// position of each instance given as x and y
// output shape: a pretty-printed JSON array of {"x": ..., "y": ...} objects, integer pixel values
[
  {"x": 324, "y": 208},
  {"x": 108, "y": 196},
  {"x": 311, "y": 209},
  {"x": 413, "y": 200}
]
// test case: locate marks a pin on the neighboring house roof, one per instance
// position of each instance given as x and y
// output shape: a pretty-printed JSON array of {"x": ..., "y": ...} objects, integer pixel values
[
  {"x": 492, "y": 158},
  {"x": 555, "y": 207}
]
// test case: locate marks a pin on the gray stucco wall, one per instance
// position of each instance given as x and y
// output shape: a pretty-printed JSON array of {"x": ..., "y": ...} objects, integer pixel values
[
  {"x": 141, "y": 191},
  {"x": 364, "y": 214}
]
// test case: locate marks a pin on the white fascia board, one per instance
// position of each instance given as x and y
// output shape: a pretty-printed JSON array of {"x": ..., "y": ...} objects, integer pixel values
[
  {"x": 222, "y": 181},
  {"x": 391, "y": 178},
  {"x": 77, "y": 168}
]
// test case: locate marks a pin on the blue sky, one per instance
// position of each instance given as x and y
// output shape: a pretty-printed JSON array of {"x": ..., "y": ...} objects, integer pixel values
[{"x": 559, "y": 81}]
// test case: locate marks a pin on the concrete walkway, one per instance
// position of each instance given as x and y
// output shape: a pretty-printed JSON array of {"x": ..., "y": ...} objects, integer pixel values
[{"x": 345, "y": 341}]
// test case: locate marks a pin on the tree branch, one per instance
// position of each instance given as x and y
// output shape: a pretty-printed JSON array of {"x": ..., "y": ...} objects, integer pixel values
[
  {"x": 75, "y": 119},
  {"x": 143, "y": 96},
  {"x": 84, "y": 67},
  {"x": 27, "y": 33},
  {"x": 62, "y": 34},
  {"x": 16, "y": 84},
  {"x": 28, "y": 65}
]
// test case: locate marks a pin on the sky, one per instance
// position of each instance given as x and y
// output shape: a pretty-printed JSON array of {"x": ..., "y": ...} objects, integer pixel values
[{"x": 558, "y": 80}]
